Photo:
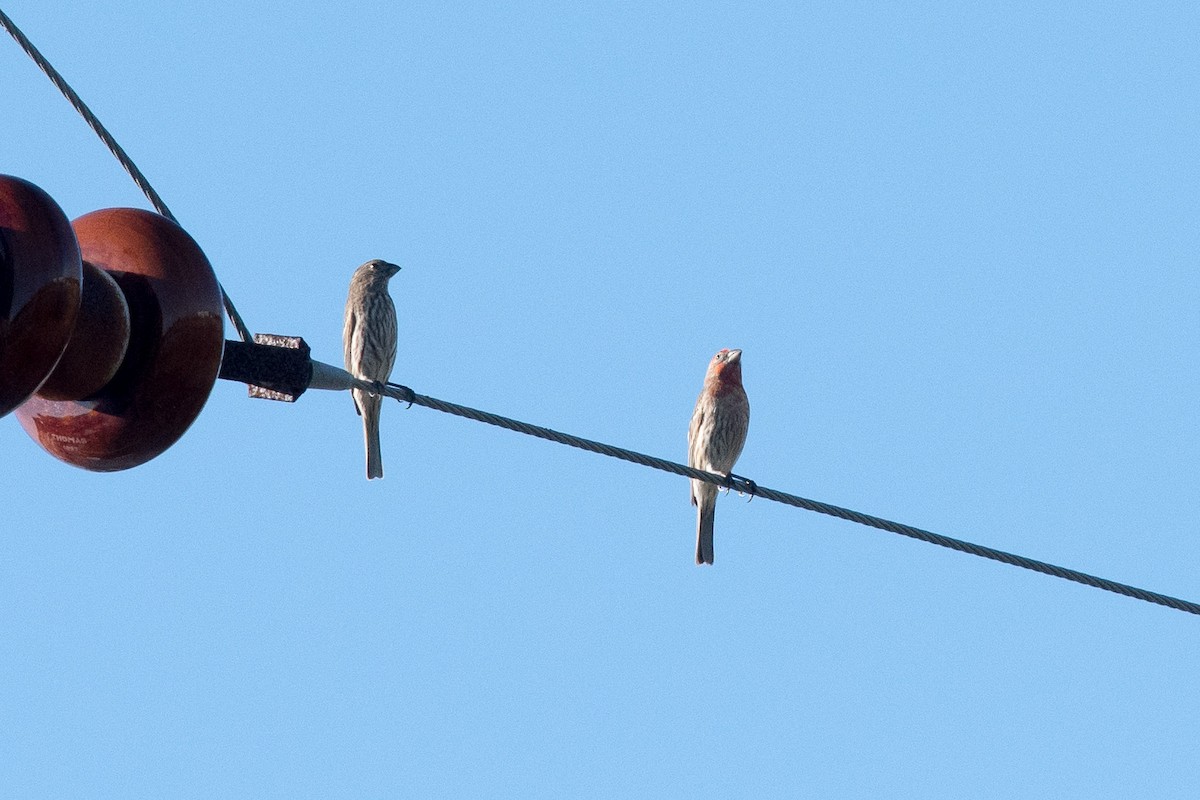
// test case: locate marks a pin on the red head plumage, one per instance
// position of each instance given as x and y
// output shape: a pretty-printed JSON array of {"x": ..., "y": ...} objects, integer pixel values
[{"x": 725, "y": 370}]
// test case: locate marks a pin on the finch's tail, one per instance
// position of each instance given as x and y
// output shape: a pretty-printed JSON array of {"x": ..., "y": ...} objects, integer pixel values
[
  {"x": 370, "y": 414},
  {"x": 706, "y": 514}
]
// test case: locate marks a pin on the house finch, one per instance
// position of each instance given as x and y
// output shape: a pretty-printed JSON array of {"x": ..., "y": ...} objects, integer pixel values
[
  {"x": 715, "y": 439},
  {"x": 369, "y": 340}
]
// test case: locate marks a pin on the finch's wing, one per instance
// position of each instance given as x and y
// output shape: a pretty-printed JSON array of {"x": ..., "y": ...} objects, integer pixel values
[
  {"x": 694, "y": 435},
  {"x": 695, "y": 440},
  {"x": 348, "y": 331}
]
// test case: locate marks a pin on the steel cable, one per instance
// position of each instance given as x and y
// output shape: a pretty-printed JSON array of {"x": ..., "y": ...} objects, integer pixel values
[
  {"x": 94, "y": 123},
  {"x": 746, "y": 486}
]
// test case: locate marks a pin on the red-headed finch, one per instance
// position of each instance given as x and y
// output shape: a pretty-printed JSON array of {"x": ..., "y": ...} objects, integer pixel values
[
  {"x": 715, "y": 439},
  {"x": 369, "y": 340}
]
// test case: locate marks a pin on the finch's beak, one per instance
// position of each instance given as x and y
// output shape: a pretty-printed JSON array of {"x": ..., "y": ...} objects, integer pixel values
[
  {"x": 735, "y": 356},
  {"x": 392, "y": 269}
]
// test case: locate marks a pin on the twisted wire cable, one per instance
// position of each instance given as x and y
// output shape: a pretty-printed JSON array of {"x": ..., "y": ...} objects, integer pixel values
[
  {"x": 746, "y": 486},
  {"x": 94, "y": 123}
]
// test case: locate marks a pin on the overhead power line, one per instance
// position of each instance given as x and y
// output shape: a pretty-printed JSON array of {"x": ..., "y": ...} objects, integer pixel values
[
  {"x": 744, "y": 485},
  {"x": 94, "y": 123}
]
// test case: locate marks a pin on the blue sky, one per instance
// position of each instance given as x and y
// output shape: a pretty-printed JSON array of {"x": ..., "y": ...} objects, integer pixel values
[{"x": 957, "y": 243}]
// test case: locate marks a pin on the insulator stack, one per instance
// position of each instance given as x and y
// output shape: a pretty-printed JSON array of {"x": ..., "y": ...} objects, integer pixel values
[{"x": 120, "y": 330}]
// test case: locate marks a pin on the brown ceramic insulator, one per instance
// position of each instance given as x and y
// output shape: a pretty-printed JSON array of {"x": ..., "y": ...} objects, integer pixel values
[
  {"x": 175, "y": 344},
  {"x": 39, "y": 288},
  {"x": 98, "y": 344}
]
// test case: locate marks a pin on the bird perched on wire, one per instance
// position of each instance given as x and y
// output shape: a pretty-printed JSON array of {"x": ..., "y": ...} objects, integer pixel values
[
  {"x": 369, "y": 340},
  {"x": 715, "y": 439}
]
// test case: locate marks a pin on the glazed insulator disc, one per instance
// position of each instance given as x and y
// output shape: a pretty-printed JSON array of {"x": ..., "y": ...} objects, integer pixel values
[
  {"x": 175, "y": 344},
  {"x": 39, "y": 288}
]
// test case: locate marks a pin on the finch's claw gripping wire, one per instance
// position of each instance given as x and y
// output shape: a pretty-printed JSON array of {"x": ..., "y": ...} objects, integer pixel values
[
  {"x": 408, "y": 393},
  {"x": 743, "y": 486}
]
